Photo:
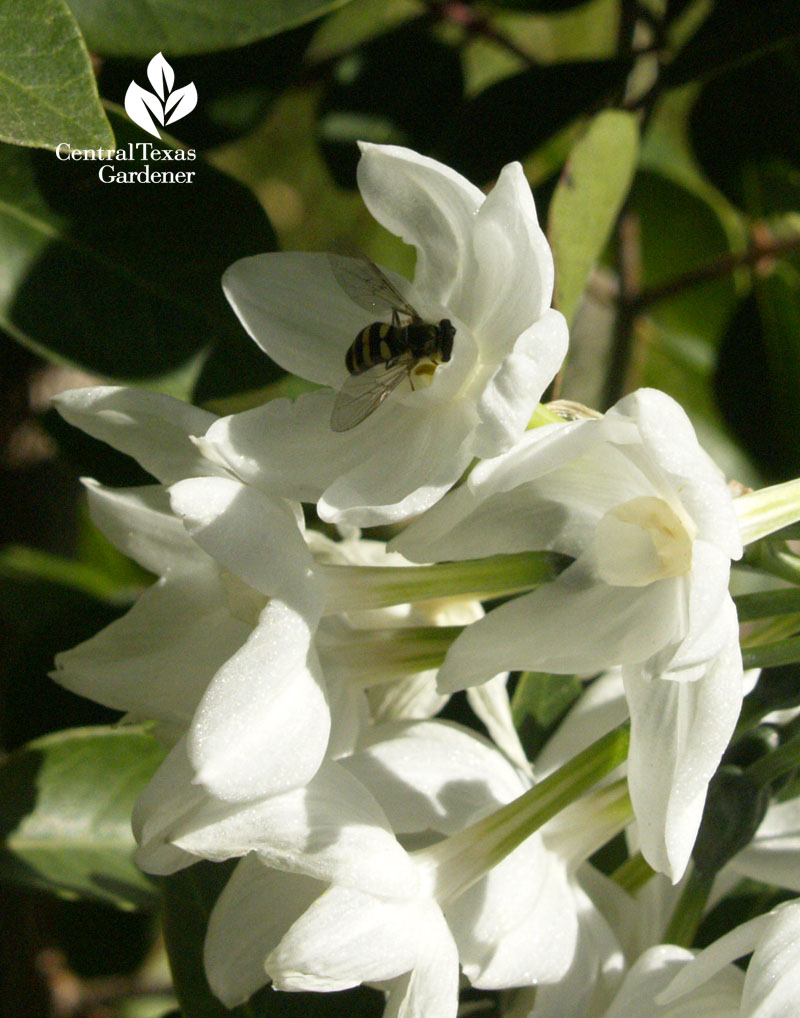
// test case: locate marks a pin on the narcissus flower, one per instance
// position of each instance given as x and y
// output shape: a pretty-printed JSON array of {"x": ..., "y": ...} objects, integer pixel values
[
  {"x": 483, "y": 264},
  {"x": 651, "y": 526}
]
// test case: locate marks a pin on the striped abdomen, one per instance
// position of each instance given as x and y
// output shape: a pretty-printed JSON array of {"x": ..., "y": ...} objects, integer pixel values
[{"x": 378, "y": 343}]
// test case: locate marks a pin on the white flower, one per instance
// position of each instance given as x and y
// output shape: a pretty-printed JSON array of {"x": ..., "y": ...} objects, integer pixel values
[
  {"x": 484, "y": 264},
  {"x": 650, "y": 523},
  {"x": 507, "y": 921}
]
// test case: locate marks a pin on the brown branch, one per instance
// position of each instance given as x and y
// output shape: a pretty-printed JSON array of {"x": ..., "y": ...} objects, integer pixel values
[
  {"x": 630, "y": 282},
  {"x": 757, "y": 254}
]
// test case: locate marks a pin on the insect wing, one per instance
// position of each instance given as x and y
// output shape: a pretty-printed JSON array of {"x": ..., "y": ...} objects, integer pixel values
[
  {"x": 366, "y": 285},
  {"x": 362, "y": 394}
]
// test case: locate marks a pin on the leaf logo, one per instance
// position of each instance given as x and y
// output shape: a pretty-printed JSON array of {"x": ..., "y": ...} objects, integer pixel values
[{"x": 164, "y": 105}]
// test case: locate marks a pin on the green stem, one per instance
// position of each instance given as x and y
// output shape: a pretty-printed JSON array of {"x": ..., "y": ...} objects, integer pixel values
[
  {"x": 485, "y": 843},
  {"x": 352, "y": 588},
  {"x": 767, "y": 603},
  {"x": 784, "y": 652},
  {"x": 767, "y": 510},
  {"x": 785, "y": 758},
  {"x": 382, "y": 655},
  {"x": 775, "y": 558},
  {"x": 689, "y": 910},
  {"x": 633, "y": 873}
]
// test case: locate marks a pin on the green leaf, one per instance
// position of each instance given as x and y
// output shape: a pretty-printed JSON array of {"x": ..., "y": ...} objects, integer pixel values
[
  {"x": 587, "y": 199},
  {"x": 539, "y": 702},
  {"x": 65, "y": 804},
  {"x": 142, "y": 28},
  {"x": 514, "y": 116},
  {"x": 48, "y": 93},
  {"x": 119, "y": 278}
]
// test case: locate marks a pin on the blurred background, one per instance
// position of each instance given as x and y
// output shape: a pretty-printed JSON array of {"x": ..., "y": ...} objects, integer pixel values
[{"x": 662, "y": 142}]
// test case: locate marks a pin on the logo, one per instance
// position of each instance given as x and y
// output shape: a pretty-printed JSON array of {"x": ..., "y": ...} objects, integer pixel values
[{"x": 164, "y": 105}]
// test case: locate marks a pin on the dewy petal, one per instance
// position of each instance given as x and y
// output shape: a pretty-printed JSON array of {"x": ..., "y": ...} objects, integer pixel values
[
  {"x": 490, "y": 703},
  {"x": 430, "y": 206},
  {"x": 652, "y": 973},
  {"x": 514, "y": 283},
  {"x": 518, "y": 925},
  {"x": 158, "y": 659},
  {"x": 679, "y": 731},
  {"x": 606, "y": 626},
  {"x": 772, "y": 984},
  {"x": 262, "y": 726},
  {"x": 156, "y": 430},
  {"x": 432, "y": 775},
  {"x": 509, "y": 398},
  {"x": 348, "y": 937},
  {"x": 430, "y": 990},
  {"x": 331, "y": 829},
  {"x": 255, "y": 909},
  {"x": 293, "y": 307},
  {"x": 254, "y": 536},
  {"x": 421, "y": 454},
  {"x": 141, "y": 524}
]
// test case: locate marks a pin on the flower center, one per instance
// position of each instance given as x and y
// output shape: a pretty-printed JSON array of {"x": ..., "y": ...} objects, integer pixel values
[{"x": 644, "y": 540}]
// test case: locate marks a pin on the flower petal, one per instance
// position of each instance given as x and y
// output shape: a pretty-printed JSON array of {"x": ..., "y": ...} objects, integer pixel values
[
  {"x": 514, "y": 282},
  {"x": 511, "y": 394},
  {"x": 332, "y": 829},
  {"x": 293, "y": 307},
  {"x": 679, "y": 731},
  {"x": 140, "y": 522},
  {"x": 262, "y": 726},
  {"x": 432, "y": 775},
  {"x": 158, "y": 659},
  {"x": 430, "y": 206},
  {"x": 348, "y": 937},
  {"x": 254, "y": 911},
  {"x": 772, "y": 855},
  {"x": 156, "y": 430},
  {"x": 607, "y": 626}
]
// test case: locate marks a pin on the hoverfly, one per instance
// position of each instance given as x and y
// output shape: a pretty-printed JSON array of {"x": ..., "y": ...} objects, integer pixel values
[{"x": 383, "y": 353}]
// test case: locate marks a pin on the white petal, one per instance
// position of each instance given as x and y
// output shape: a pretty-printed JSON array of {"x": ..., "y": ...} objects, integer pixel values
[
  {"x": 514, "y": 283},
  {"x": 772, "y": 984},
  {"x": 140, "y": 522},
  {"x": 510, "y": 397},
  {"x": 430, "y": 206},
  {"x": 670, "y": 441},
  {"x": 652, "y": 972},
  {"x": 331, "y": 829},
  {"x": 710, "y": 608},
  {"x": 253, "y": 535},
  {"x": 606, "y": 626},
  {"x": 287, "y": 447},
  {"x": 679, "y": 732},
  {"x": 491, "y": 704},
  {"x": 420, "y": 455},
  {"x": 412, "y": 698},
  {"x": 263, "y": 724},
  {"x": 155, "y": 429},
  {"x": 518, "y": 925},
  {"x": 158, "y": 659},
  {"x": 432, "y": 775},
  {"x": 249, "y": 918},
  {"x": 347, "y": 937},
  {"x": 292, "y": 306},
  {"x": 430, "y": 990}
]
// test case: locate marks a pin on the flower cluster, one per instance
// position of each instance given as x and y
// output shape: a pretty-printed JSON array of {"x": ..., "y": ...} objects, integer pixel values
[{"x": 296, "y": 677}]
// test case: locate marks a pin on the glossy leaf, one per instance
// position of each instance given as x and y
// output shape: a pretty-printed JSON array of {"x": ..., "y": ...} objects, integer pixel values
[
  {"x": 122, "y": 279},
  {"x": 66, "y": 806},
  {"x": 131, "y": 28},
  {"x": 516, "y": 115},
  {"x": 48, "y": 93},
  {"x": 587, "y": 199}
]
